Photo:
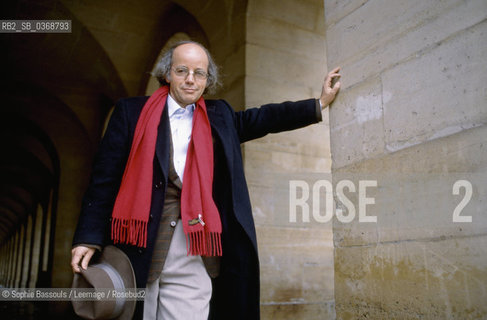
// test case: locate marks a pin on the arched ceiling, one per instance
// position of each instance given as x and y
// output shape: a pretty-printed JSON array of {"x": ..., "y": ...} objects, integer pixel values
[{"x": 132, "y": 33}]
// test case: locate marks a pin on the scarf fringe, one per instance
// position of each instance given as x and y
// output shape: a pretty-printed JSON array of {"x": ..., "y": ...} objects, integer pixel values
[
  {"x": 204, "y": 243},
  {"x": 129, "y": 231}
]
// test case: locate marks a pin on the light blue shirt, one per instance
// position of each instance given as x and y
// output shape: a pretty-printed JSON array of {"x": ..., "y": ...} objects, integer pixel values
[{"x": 181, "y": 123}]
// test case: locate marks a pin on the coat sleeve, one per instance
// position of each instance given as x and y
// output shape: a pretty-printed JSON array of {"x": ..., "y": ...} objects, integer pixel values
[
  {"x": 254, "y": 123},
  {"x": 109, "y": 165}
]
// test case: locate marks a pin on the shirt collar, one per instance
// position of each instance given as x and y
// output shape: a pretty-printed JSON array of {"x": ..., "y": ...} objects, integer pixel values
[{"x": 174, "y": 106}]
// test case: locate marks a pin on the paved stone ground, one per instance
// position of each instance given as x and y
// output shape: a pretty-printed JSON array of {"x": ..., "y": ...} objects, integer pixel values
[{"x": 28, "y": 310}]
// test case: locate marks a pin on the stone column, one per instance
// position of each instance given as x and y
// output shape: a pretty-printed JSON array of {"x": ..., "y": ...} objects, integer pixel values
[{"x": 285, "y": 60}]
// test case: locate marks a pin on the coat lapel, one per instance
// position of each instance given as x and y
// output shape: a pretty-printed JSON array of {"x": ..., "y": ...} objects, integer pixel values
[
  {"x": 163, "y": 143},
  {"x": 219, "y": 129}
]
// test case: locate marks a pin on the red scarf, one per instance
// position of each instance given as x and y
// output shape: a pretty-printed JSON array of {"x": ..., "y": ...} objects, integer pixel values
[{"x": 200, "y": 217}]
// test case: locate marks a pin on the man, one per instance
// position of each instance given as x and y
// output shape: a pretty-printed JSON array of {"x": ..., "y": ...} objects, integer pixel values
[{"x": 168, "y": 186}]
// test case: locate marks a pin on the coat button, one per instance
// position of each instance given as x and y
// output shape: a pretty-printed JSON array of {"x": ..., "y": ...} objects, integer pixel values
[
  {"x": 173, "y": 224},
  {"x": 141, "y": 251}
]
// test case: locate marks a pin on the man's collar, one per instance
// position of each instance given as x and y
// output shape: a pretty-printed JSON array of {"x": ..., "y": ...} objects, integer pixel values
[{"x": 174, "y": 106}]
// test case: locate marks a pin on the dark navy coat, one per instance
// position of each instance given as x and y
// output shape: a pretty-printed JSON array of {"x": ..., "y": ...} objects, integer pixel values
[{"x": 236, "y": 289}]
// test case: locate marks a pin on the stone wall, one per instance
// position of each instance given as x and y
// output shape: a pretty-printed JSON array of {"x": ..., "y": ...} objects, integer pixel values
[{"x": 412, "y": 116}]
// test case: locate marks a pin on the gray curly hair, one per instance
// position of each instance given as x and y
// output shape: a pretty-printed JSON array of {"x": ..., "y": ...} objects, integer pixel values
[{"x": 164, "y": 65}]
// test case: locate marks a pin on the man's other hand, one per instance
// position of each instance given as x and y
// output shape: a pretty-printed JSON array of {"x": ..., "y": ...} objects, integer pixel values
[{"x": 81, "y": 254}]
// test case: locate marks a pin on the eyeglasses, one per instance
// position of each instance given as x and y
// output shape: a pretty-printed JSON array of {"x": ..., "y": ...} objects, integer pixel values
[{"x": 183, "y": 72}]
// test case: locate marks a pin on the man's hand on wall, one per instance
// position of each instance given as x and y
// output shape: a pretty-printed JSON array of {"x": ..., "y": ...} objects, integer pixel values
[{"x": 330, "y": 87}]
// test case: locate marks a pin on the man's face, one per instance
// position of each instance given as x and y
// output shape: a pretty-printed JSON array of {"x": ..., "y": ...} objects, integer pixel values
[{"x": 187, "y": 89}]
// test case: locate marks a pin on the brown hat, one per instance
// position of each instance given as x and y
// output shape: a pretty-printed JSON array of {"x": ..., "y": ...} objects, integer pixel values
[{"x": 112, "y": 271}]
